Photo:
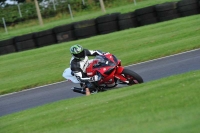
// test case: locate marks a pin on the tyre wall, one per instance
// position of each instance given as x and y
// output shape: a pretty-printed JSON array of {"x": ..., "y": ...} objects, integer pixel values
[
  {"x": 7, "y": 46},
  {"x": 24, "y": 42},
  {"x": 44, "y": 38},
  {"x": 107, "y": 23},
  {"x": 104, "y": 24},
  {"x": 188, "y": 7},
  {"x": 85, "y": 29},
  {"x": 64, "y": 33},
  {"x": 167, "y": 11},
  {"x": 146, "y": 16},
  {"x": 127, "y": 20}
]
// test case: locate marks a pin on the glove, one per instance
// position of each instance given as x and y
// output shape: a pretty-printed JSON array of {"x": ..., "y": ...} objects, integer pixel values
[{"x": 94, "y": 78}]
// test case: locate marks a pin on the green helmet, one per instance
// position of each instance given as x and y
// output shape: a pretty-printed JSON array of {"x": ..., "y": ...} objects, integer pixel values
[{"x": 77, "y": 51}]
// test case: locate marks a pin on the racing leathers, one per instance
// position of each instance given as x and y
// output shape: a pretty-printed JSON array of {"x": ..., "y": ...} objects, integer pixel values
[{"x": 78, "y": 67}]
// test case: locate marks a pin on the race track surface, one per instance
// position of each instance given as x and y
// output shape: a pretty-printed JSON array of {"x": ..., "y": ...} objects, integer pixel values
[{"x": 149, "y": 71}]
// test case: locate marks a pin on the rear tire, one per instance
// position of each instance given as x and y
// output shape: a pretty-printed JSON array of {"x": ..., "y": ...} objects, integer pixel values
[{"x": 132, "y": 77}]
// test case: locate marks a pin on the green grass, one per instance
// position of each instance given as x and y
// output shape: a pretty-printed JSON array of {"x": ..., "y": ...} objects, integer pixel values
[
  {"x": 61, "y": 19},
  {"x": 45, "y": 65},
  {"x": 164, "y": 106},
  {"x": 168, "y": 105}
]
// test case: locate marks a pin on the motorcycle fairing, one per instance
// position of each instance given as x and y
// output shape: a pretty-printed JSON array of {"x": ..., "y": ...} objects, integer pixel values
[
  {"x": 118, "y": 75},
  {"x": 68, "y": 76}
]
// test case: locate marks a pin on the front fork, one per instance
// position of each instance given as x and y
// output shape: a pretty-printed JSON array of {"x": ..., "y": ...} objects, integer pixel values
[{"x": 118, "y": 75}]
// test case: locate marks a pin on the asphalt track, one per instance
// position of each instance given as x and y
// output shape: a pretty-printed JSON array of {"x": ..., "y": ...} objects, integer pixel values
[{"x": 151, "y": 70}]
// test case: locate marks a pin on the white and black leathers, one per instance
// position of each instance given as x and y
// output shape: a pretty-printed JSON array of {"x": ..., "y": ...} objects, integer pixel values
[{"x": 78, "y": 67}]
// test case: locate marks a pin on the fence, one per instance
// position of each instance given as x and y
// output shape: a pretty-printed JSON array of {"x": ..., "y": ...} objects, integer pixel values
[
  {"x": 27, "y": 11},
  {"x": 101, "y": 25}
]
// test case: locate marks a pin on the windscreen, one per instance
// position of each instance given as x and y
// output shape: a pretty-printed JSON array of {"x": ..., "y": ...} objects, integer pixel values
[{"x": 103, "y": 61}]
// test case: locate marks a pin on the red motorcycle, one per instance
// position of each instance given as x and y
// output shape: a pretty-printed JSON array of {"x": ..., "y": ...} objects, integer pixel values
[{"x": 110, "y": 73}]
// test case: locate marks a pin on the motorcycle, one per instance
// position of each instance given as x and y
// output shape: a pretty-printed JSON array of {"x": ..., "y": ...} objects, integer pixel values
[{"x": 110, "y": 73}]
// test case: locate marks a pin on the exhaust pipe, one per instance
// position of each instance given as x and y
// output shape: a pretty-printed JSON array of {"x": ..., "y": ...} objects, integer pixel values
[{"x": 79, "y": 90}]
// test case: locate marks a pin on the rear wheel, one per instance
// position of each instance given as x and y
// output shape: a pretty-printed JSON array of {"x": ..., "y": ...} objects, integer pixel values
[{"x": 132, "y": 77}]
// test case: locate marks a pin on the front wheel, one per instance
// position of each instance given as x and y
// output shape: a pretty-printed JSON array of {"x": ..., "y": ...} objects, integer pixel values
[{"x": 132, "y": 77}]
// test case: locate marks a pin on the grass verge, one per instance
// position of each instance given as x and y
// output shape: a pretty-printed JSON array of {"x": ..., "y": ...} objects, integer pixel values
[
  {"x": 45, "y": 65},
  {"x": 164, "y": 106}
]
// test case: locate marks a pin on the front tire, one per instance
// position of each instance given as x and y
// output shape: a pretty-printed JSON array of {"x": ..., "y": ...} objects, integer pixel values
[{"x": 132, "y": 77}]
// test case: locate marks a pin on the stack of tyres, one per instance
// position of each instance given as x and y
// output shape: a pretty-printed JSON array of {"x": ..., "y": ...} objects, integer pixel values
[
  {"x": 7, "y": 46},
  {"x": 107, "y": 23},
  {"x": 45, "y": 38},
  {"x": 167, "y": 11},
  {"x": 102, "y": 25},
  {"x": 127, "y": 20},
  {"x": 64, "y": 33},
  {"x": 146, "y": 16},
  {"x": 24, "y": 42},
  {"x": 85, "y": 29},
  {"x": 188, "y": 7}
]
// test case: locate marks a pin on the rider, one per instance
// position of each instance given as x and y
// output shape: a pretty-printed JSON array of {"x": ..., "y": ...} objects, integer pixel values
[{"x": 79, "y": 63}]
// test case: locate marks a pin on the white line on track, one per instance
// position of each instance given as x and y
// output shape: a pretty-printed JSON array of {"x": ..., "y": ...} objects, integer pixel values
[
  {"x": 126, "y": 66},
  {"x": 33, "y": 88},
  {"x": 164, "y": 57}
]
